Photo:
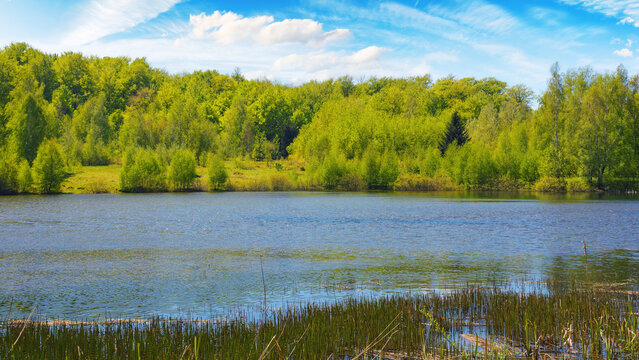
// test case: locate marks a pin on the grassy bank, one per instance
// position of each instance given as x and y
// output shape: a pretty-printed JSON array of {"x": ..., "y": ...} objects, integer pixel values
[
  {"x": 288, "y": 175},
  {"x": 243, "y": 176},
  {"x": 469, "y": 323}
]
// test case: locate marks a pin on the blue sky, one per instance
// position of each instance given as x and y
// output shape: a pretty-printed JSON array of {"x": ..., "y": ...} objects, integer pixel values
[{"x": 296, "y": 41}]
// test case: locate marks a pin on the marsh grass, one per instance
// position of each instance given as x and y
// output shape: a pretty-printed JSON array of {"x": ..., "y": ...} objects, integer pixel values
[{"x": 551, "y": 322}]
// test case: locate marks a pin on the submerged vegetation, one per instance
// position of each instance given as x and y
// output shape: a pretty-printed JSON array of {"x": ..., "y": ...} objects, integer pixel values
[
  {"x": 580, "y": 134},
  {"x": 473, "y": 323}
]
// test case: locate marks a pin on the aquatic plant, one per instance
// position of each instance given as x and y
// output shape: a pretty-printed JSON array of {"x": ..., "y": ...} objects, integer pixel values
[{"x": 553, "y": 321}]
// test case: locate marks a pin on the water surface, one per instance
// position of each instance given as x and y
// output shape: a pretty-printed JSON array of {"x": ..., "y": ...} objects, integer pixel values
[{"x": 203, "y": 255}]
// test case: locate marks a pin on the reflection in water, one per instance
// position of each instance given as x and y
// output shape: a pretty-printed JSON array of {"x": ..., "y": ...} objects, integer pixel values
[{"x": 199, "y": 255}]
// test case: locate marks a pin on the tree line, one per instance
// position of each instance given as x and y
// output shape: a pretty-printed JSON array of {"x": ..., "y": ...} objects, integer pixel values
[{"x": 62, "y": 111}]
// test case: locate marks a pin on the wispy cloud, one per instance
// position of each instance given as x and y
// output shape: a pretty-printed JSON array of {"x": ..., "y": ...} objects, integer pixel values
[
  {"x": 626, "y": 10},
  {"x": 97, "y": 19},
  {"x": 550, "y": 17},
  {"x": 479, "y": 15}
]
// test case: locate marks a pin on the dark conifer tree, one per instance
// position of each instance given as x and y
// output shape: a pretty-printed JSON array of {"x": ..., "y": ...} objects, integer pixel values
[{"x": 455, "y": 132}]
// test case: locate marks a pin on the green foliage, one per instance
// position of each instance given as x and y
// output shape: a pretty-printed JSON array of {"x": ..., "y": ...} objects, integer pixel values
[
  {"x": 8, "y": 173},
  {"x": 143, "y": 170},
  {"x": 332, "y": 171},
  {"x": 549, "y": 184},
  {"x": 182, "y": 173},
  {"x": 481, "y": 133},
  {"x": 480, "y": 168},
  {"x": 577, "y": 184},
  {"x": 216, "y": 171},
  {"x": 280, "y": 182},
  {"x": 27, "y": 117},
  {"x": 24, "y": 177},
  {"x": 455, "y": 133},
  {"x": 49, "y": 169}
]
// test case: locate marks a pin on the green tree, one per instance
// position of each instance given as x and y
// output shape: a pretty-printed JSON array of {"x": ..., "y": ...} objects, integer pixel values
[
  {"x": 8, "y": 172},
  {"x": 182, "y": 173},
  {"x": 142, "y": 171},
  {"x": 599, "y": 133},
  {"x": 216, "y": 171},
  {"x": 455, "y": 133},
  {"x": 24, "y": 177},
  {"x": 49, "y": 168},
  {"x": 552, "y": 123},
  {"x": 27, "y": 113}
]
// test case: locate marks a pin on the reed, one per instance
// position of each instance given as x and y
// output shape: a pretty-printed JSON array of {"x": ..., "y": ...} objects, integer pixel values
[{"x": 546, "y": 321}]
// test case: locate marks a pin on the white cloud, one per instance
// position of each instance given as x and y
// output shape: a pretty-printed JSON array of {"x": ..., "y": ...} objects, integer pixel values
[
  {"x": 371, "y": 53},
  {"x": 322, "y": 60},
  {"x": 228, "y": 28},
  {"x": 299, "y": 31},
  {"x": 97, "y": 19},
  {"x": 628, "y": 43},
  {"x": 623, "y": 53},
  {"x": 627, "y": 10},
  {"x": 626, "y": 20}
]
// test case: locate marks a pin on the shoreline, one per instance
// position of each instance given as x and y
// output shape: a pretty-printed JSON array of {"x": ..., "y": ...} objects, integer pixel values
[
  {"x": 555, "y": 320},
  {"x": 261, "y": 176}
]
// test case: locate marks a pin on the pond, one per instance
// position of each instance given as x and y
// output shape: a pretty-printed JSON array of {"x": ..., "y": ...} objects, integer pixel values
[{"x": 205, "y": 255}]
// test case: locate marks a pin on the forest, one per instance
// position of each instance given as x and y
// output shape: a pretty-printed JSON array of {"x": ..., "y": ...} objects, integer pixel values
[{"x": 180, "y": 132}]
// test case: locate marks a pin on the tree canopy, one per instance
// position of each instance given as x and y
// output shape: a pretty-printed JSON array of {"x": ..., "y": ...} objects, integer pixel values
[{"x": 475, "y": 133}]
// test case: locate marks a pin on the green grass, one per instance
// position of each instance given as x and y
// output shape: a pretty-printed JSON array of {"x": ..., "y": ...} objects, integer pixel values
[
  {"x": 244, "y": 175},
  {"x": 93, "y": 179},
  {"x": 555, "y": 322}
]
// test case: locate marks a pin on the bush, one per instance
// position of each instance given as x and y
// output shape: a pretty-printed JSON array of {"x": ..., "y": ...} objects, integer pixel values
[
  {"x": 182, "y": 173},
  {"x": 49, "y": 167},
  {"x": 480, "y": 168},
  {"x": 415, "y": 182},
  {"x": 388, "y": 170},
  {"x": 577, "y": 184},
  {"x": 352, "y": 181},
  {"x": 549, "y": 184},
  {"x": 24, "y": 178},
  {"x": 142, "y": 171},
  {"x": 8, "y": 173},
  {"x": 528, "y": 169},
  {"x": 380, "y": 173},
  {"x": 332, "y": 171},
  {"x": 280, "y": 182},
  {"x": 217, "y": 174}
]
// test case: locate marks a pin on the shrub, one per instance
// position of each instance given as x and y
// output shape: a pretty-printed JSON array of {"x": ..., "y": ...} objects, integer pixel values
[
  {"x": 8, "y": 173},
  {"x": 182, "y": 173},
  {"x": 549, "y": 184},
  {"x": 480, "y": 168},
  {"x": 577, "y": 184},
  {"x": 49, "y": 167},
  {"x": 388, "y": 170},
  {"x": 142, "y": 171},
  {"x": 352, "y": 181},
  {"x": 24, "y": 178},
  {"x": 528, "y": 169},
  {"x": 280, "y": 182},
  {"x": 217, "y": 174},
  {"x": 332, "y": 171},
  {"x": 371, "y": 165},
  {"x": 380, "y": 172},
  {"x": 415, "y": 182}
]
